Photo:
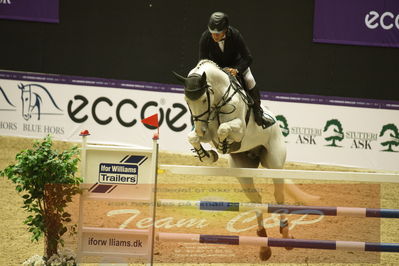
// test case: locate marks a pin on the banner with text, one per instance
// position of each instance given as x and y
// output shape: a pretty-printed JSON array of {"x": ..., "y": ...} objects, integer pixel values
[
  {"x": 324, "y": 130},
  {"x": 38, "y": 10},
  {"x": 357, "y": 22}
]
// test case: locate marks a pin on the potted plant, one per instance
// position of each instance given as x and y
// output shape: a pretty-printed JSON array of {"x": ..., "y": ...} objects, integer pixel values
[{"x": 46, "y": 180}]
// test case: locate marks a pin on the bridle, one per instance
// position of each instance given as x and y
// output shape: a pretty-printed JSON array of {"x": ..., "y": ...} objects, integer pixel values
[
  {"x": 225, "y": 99},
  {"x": 208, "y": 111}
]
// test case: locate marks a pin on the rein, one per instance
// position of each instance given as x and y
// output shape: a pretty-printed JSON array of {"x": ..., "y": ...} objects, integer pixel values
[{"x": 226, "y": 98}]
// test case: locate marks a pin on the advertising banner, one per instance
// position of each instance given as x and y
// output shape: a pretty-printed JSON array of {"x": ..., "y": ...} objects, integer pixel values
[
  {"x": 317, "y": 129},
  {"x": 357, "y": 22},
  {"x": 38, "y": 10}
]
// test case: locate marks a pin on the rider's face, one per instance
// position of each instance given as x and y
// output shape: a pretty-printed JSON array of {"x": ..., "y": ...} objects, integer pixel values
[{"x": 217, "y": 37}]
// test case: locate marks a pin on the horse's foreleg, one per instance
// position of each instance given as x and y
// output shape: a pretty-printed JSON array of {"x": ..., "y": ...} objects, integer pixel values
[
  {"x": 229, "y": 132},
  {"x": 232, "y": 130},
  {"x": 203, "y": 155},
  {"x": 248, "y": 186}
]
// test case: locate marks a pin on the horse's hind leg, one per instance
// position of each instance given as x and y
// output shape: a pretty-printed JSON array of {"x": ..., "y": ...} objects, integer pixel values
[
  {"x": 241, "y": 160},
  {"x": 280, "y": 199},
  {"x": 274, "y": 158}
]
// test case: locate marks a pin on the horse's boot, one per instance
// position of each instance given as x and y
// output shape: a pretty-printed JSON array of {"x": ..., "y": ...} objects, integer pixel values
[
  {"x": 265, "y": 252},
  {"x": 261, "y": 119},
  {"x": 285, "y": 232}
]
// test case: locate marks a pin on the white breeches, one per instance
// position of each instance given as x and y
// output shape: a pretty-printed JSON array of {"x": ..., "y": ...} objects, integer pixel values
[{"x": 249, "y": 79}]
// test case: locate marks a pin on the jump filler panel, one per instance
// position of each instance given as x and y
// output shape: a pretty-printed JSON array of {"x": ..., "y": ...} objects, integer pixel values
[{"x": 115, "y": 174}]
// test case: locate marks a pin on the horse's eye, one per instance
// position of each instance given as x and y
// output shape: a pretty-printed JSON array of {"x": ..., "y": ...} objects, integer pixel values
[{"x": 204, "y": 100}]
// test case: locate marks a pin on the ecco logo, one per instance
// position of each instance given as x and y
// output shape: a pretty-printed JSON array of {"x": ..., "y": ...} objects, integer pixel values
[
  {"x": 79, "y": 109},
  {"x": 387, "y": 20}
]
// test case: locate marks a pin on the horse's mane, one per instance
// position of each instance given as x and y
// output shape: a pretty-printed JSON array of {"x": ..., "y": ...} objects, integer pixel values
[
  {"x": 205, "y": 61},
  {"x": 214, "y": 77}
]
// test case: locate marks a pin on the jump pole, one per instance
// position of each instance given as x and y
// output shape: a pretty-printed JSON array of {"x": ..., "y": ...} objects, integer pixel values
[
  {"x": 285, "y": 209},
  {"x": 281, "y": 173},
  {"x": 279, "y": 242}
]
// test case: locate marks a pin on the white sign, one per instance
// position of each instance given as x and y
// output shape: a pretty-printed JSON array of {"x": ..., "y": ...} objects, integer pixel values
[{"x": 34, "y": 105}]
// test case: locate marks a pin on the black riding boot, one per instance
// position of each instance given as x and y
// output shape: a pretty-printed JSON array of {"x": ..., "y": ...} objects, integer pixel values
[{"x": 260, "y": 118}]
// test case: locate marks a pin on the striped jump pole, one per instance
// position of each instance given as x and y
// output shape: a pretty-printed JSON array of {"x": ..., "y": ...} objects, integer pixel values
[
  {"x": 280, "y": 173},
  {"x": 286, "y": 209},
  {"x": 279, "y": 242}
]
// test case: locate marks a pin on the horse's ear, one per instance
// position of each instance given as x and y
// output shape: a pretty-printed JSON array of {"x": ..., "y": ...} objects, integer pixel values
[
  {"x": 179, "y": 77},
  {"x": 203, "y": 78}
]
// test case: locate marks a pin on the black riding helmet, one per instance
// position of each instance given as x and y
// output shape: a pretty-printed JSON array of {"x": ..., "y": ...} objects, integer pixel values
[{"x": 218, "y": 22}]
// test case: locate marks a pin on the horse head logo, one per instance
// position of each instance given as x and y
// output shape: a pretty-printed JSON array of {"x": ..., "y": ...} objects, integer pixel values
[
  {"x": 391, "y": 132},
  {"x": 283, "y": 125},
  {"x": 8, "y": 104},
  {"x": 32, "y": 100},
  {"x": 334, "y": 131}
]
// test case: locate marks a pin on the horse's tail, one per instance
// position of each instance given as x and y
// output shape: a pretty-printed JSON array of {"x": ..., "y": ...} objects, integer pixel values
[{"x": 298, "y": 194}]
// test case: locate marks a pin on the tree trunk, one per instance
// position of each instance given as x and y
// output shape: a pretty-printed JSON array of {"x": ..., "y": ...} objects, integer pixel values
[{"x": 52, "y": 221}]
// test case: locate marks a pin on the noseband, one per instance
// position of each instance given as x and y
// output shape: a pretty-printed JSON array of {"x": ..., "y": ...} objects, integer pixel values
[
  {"x": 208, "y": 111},
  {"x": 236, "y": 87}
]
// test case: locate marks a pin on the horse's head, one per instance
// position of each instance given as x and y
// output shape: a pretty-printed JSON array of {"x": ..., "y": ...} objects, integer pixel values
[
  {"x": 26, "y": 97},
  {"x": 199, "y": 98}
]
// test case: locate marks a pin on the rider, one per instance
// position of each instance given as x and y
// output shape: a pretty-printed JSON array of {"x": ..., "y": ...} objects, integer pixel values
[{"x": 225, "y": 45}]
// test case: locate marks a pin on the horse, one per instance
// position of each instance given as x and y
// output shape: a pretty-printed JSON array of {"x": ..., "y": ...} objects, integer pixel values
[
  {"x": 221, "y": 111},
  {"x": 32, "y": 99}
]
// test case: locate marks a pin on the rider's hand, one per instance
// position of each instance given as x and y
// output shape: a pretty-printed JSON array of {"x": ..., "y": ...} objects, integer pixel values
[{"x": 232, "y": 71}]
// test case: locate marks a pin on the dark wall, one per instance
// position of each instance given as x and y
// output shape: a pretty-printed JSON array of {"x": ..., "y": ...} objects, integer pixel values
[{"x": 144, "y": 40}]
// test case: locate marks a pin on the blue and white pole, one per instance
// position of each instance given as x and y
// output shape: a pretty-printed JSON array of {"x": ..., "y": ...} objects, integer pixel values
[{"x": 282, "y": 209}]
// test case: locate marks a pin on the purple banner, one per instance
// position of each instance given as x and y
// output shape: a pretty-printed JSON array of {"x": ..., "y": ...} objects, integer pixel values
[
  {"x": 32, "y": 10},
  {"x": 357, "y": 22}
]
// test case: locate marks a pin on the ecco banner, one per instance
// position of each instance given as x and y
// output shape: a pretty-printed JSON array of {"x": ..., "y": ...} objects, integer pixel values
[
  {"x": 357, "y": 22},
  {"x": 325, "y": 130},
  {"x": 37, "y": 10}
]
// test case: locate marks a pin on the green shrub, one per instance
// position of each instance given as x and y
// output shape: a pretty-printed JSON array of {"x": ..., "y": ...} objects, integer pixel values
[{"x": 46, "y": 179}]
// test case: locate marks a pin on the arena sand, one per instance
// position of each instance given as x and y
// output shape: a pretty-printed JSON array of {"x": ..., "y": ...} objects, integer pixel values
[{"x": 15, "y": 244}]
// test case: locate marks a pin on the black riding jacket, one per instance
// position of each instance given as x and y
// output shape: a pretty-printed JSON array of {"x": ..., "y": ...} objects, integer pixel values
[{"x": 236, "y": 53}]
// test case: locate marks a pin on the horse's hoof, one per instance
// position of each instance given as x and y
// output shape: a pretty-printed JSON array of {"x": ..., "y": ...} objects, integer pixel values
[
  {"x": 286, "y": 234},
  {"x": 214, "y": 155},
  {"x": 261, "y": 232},
  {"x": 265, "y": 253},
  {"x": 290, "y": 248}
]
